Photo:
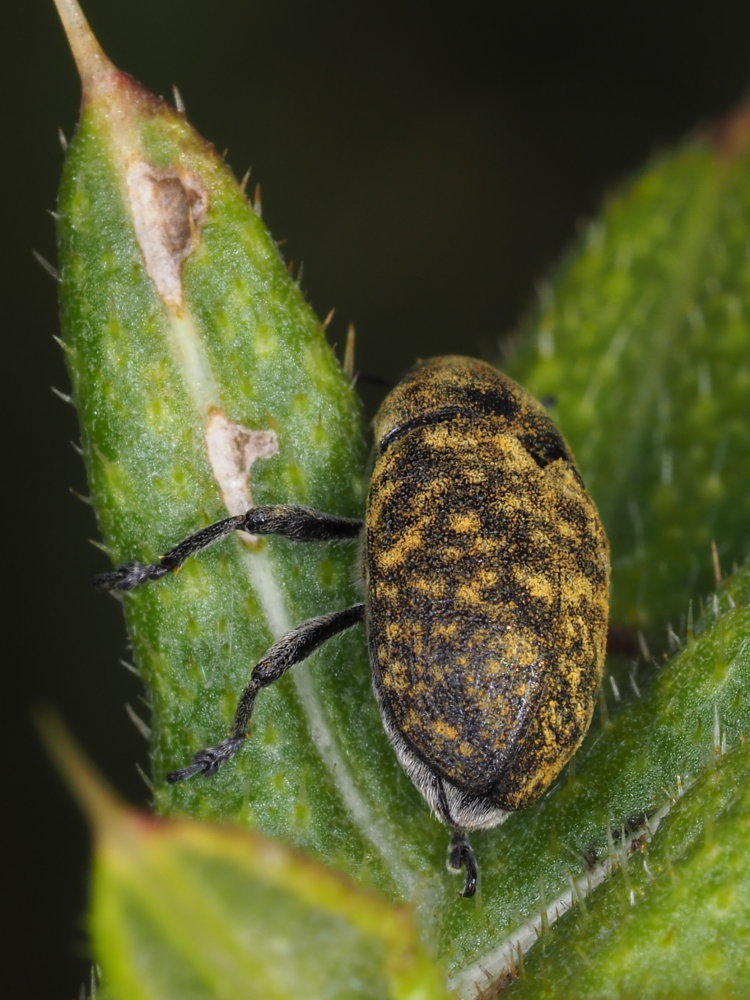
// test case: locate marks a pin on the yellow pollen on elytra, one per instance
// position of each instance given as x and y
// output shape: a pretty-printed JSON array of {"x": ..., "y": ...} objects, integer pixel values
[
  {"x": 465, "y": 522},
  {"x": 468, "y": 594},
  {"x": 445, "y": 730}
]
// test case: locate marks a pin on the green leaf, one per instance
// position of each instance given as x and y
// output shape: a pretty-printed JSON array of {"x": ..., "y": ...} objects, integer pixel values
[
  {"x": 642, "y": 341},
  {"x": 177, "y": 366},
  {"x": 206, "y": 912},
  {"x": 198, "y": 911},
  {"x": 674, "y": 921}
]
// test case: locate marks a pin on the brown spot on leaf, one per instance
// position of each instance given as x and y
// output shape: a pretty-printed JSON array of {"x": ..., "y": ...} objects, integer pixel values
[
  {"x": 232, "y": 450},
  {"x": 168, "y": 207}
]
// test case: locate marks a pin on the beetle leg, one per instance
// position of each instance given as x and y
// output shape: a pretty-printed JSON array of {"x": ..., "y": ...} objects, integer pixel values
[
  {"x": 291, "y": 648},
  {"x": 445, "y": 809},
  {"x": 461, "y": 856},
  {"x": 300, "y": 524}
]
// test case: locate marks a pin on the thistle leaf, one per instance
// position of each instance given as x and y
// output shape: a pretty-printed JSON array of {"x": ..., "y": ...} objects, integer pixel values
[
  {"x": 674, "y": 921},
  {"x": 200, "y": 911},
  {"x": 196, "y": 363},
  {"x": 642, "y": 342}
]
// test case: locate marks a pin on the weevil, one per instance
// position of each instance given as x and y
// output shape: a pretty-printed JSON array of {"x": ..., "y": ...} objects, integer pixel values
[{"x": 485, "y": 569}]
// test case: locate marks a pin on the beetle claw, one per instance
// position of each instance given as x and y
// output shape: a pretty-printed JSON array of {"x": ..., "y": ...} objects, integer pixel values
[
  {"x": 461, "y": 857},
  {"x": 207, "y": 761},
  {"x": 129, "y": 575}
]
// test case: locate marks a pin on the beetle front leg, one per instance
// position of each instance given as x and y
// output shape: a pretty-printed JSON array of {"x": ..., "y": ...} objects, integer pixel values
[{"x": 300, "y": 524}]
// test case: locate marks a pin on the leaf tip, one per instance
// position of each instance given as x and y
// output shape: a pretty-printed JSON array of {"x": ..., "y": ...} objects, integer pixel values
[
  {"x": 730, "y": 135},
  {"x": 102, "y": 807},
  {"x": 91, "y": 61}
]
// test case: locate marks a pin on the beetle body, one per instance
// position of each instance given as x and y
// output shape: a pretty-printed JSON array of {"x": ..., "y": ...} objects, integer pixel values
[
  {"x": 486, "y": 573},
  {"x": 487, "y": 590}
]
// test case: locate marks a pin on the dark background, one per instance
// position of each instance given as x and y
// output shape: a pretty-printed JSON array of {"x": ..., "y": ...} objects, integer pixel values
[{"x": 429, "y": 169}]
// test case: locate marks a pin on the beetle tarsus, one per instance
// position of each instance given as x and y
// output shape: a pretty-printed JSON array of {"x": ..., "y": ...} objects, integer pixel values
[
  {"x": 129, "y": 575},
  {"x": 461, "y": 857},
  {"x": 208, "y": 761}
]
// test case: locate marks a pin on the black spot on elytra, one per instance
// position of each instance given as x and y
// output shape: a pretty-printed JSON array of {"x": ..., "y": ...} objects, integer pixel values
[
  {"x": 491, "y": 403},
  {"x": 545, "y": 447}
]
